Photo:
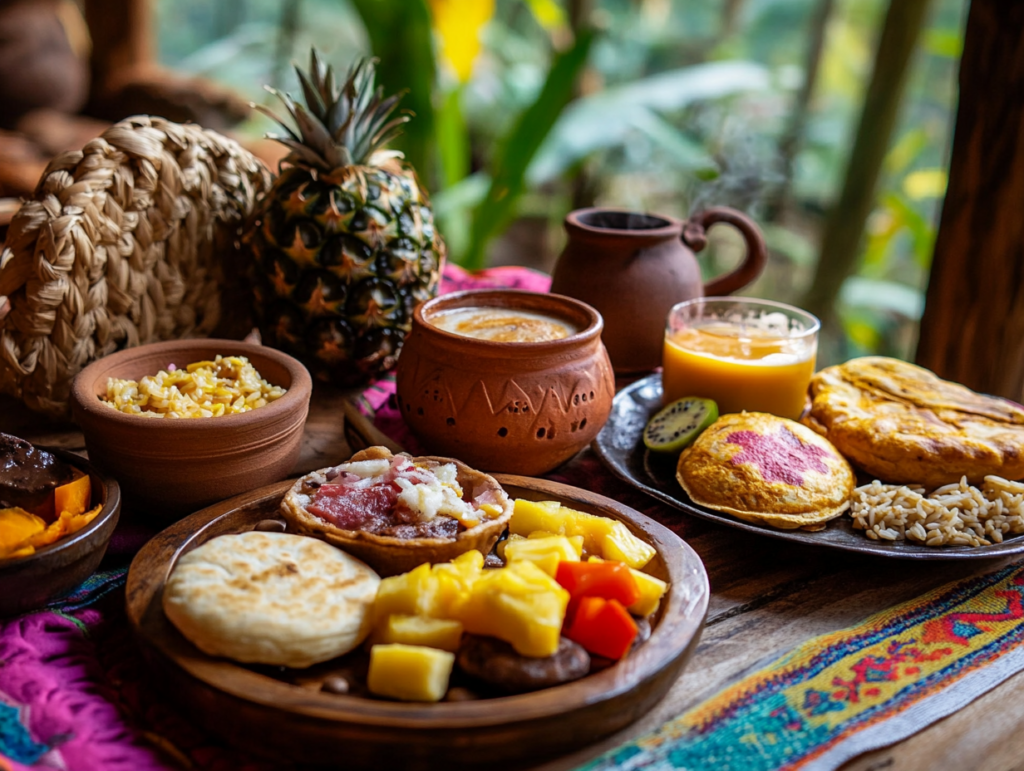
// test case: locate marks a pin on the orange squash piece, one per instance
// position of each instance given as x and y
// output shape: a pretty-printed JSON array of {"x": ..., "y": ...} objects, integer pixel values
[
  {"x": 22, "y": 532},
  {"x": 79, "y": 521},
  {"x": 74, "y": 497},
  {"x": 16, "y": 527},
  {"x": 54, "y": 532},
  {"x": 66, "y": 524}
]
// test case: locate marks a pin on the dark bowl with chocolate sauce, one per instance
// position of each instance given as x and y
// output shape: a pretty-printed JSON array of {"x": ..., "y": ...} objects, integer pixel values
[{"x": 28, "y": 583}]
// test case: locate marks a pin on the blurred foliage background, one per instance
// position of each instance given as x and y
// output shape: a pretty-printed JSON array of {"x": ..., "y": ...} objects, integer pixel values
[{"x": 527, "y": 109}]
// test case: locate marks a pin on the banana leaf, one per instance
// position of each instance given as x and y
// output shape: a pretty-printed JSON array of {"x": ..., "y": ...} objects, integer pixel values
[{"x": 607, "y": 118}]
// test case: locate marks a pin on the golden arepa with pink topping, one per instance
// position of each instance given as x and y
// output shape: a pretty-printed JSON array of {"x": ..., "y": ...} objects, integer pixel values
[{"x": 768, "y": 470}]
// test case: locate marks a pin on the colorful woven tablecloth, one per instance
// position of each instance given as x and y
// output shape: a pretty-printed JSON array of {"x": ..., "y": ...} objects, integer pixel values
[
  {"x": 73, "y": 692},
  {"x": 842, "y": 694}
]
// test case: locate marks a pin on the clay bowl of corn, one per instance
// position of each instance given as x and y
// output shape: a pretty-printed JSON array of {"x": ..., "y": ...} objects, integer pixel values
[{"x": 185, "y": 423}]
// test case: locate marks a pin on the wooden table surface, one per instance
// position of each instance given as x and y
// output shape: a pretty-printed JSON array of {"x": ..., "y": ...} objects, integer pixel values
[{"x": 767, "y": 597}]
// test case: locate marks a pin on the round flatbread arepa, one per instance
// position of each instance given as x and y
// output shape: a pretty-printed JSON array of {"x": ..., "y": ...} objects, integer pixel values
[
  {"x": 903, "y": 424},
  {"x": 271, "y": 598},
  {"x": 767, "y": 470}
]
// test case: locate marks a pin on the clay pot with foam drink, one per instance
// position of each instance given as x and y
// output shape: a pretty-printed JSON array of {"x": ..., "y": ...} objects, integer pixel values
[
  {"x": 634, "y": 267},
  {"x": 505, "y": 380}
]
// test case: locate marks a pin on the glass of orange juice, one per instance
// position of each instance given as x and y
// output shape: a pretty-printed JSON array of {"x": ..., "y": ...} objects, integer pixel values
[{"x": 746, "y": 354}]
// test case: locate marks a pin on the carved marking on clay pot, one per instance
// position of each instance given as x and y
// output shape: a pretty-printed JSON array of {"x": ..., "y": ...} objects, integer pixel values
[{"x": 515, "y": 400}]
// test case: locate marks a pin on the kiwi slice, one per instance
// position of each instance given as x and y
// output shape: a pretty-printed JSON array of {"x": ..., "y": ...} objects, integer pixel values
[{"x": 678, "y": 424}]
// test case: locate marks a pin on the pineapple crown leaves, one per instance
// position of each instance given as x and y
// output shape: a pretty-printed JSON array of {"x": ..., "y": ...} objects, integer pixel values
[{"x": 337, "y": 126}]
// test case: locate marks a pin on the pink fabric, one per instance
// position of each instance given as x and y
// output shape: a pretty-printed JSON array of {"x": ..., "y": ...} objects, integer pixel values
[
  {"x": 77, "y": 680},
  {"x": 52, "y": 668},
  {"x": 455, "y": 279}
]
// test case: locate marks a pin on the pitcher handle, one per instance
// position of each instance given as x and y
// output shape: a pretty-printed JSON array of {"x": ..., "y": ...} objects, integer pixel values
[{"x": 695, "y": 236}]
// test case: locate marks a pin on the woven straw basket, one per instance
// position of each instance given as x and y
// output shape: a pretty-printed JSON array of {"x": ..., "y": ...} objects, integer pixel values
[{"x": 125, "y": 242}]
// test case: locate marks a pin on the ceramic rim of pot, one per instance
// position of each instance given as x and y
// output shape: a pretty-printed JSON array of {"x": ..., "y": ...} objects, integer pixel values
[
  {"x": 623, "y": 223},
  {"x": 86, "y": 399},
  {"x": 585, "y": 317}
]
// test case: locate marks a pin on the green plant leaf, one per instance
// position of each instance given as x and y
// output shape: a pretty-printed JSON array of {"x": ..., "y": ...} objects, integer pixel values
[
  {"x": 548, "y": 13},
  {"x": 921, "y": 231},
  {"x": 401, "y": 37},
  {"x": 906, "y": 150},
  {"x": 944, "y": 42},
  {"x": 452, "y": 139},
  {"x": 925, "y": 183},
  {"x": 516, "y": 150},
  {"x": 686, "y": 153},
  {"x": 791, "y": 244},
  {"x": 453, "y": 207},
  {"x": 606, "y": 119},
  {"x": 859, "y": 292},
  {"x": 863, "y": 335},
  {"x": 883, "y": 226},
  {"x": 466, "y": 194}
]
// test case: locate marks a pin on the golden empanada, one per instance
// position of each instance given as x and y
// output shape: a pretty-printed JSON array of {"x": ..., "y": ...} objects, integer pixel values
[{"x": 903, "y": 424}]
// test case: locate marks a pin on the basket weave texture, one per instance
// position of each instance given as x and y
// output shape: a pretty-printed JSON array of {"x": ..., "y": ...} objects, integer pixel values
[{"x": 124, "y": 242}]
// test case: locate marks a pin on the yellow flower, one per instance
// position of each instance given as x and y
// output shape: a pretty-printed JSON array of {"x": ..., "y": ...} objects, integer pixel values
[{"x": 458, "y": 24}]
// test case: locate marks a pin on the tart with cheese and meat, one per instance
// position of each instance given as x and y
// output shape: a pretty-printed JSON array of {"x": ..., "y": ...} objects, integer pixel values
[{"x": 395, "y": 512}]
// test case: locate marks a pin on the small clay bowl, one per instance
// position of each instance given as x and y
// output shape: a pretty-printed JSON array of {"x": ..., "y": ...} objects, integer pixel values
[
  {"x": 516, "y": 408},
  {"x": 172, "y": 467},
  {"x": 27, "y": 583}
]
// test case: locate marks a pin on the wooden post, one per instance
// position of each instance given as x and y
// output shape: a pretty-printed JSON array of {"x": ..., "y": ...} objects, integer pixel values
[{"x": 972, "y": 330}]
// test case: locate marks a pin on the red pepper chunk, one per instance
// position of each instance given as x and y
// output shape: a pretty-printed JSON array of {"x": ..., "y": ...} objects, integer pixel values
[
  {"x": 603, "y": 627},
  {"x": 609, "y": 580}
]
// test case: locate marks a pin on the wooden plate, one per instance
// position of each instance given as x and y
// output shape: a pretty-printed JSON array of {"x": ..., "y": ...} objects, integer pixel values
[
  {"x": 27, "y": 583},
  {"x": 271, "y": 711},
  {"x": 620, "y": 446}
]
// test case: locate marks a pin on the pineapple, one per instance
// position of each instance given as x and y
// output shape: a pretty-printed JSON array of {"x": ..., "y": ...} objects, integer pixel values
[{"x": 343, "y": 244}]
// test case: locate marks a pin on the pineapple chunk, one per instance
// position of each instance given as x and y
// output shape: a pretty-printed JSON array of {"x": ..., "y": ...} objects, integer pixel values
[
  {"x": 651, "y": 591},
  {"x": 575, "y": 540},
  {"x": 623, "y": 546},
  {"x": 469, "y": 561},
  {"x": 529, "y": 516},
  {"x": 406, "y": 594},
  {"x": 409, "y": 672},
  {"x": 428, "y": 590},
  {"x": 544, "y": 552},
  {"x": 520, "y": 604},
  {"x": 602, "y": 536},
  {"x": 503, "y": 545},
  {"x": 439, "y": 633}
]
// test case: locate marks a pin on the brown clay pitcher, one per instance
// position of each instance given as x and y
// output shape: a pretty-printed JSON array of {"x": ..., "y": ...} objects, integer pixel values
[{"x": 634, "y": 267}]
